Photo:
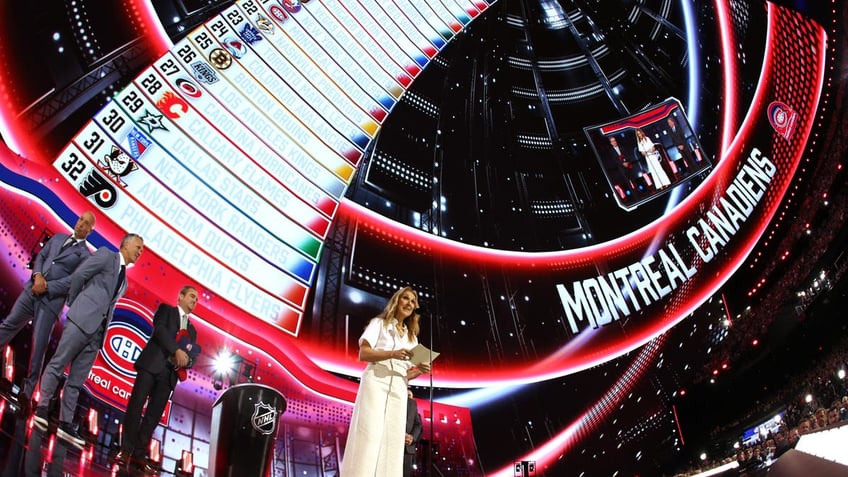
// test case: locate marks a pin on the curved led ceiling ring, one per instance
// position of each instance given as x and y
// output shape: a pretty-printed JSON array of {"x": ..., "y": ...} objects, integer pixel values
[{"x": 737, "y": 161}]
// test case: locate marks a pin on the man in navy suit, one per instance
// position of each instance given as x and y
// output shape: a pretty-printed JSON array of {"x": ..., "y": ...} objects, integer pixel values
[
  {"x": 156, "y": 376},
  {"x": 413, "y": 434},
  {"x": 44, "y": 296},
  {"x": 678, "y": 139},
  {"x": 95, "y": 288}
]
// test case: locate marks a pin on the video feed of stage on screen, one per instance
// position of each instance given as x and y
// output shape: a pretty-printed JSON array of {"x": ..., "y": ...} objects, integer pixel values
[{"x": 647, "y": 154}]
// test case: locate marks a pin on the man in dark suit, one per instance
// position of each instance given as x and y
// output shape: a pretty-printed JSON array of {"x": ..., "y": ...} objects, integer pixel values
[
  {"x": 678, "y": 139},
  {"x": 156, "y": 376},
  {"x": 95, "y": 288},
  {"x": 44, "y": 296},
  {"x": 632, "y": 176},
  {"x": 413, "y": 434}
]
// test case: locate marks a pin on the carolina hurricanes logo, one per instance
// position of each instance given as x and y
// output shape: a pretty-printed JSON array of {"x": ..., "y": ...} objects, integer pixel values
[
  {"x": 264, "y": 418},
  {"x": 190, "y": 89},
  {"x": 123, "y": 344},
  {"x": 782, "y": 118}
]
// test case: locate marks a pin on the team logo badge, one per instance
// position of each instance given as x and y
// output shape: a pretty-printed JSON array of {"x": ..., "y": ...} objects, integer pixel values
[
  {"x": 782, "y": 118},
  {"x": 136, "y": 143},
  {"x": 264, "y": 418},
  {"x": 236, "y": 47},
  {"x": 220, "y": 59},
  {"x": 117, "y": 164},
  {"x": 265, "y": 25},
  {"x": 205, "y": 73},
  {"x": 293, "y": 6},
  {"x": 97, "y": 187},
  {"x": 152, "y": 121},
  {"x": 172, "y": 105},
  {"x": 250, "y": 34},
  {"x": 122, "y": 346},
  {"x": 278, "y": 13},
  {"x": 188, "y": 88}
]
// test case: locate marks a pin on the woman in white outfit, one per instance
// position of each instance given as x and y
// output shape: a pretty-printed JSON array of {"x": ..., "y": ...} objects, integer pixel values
[
  {"x": 652, "y": 157},
  {"x": 375, "y": 440}
]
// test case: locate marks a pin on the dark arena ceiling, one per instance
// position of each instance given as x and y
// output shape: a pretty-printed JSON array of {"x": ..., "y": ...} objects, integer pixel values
[{"x": 589, "y": 320}]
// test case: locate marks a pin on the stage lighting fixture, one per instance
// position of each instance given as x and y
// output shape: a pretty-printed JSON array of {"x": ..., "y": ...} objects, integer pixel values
[
  {"x": 224, "y": 362},
  {"x": 92, "y": 420},
  {"x": 155, "y": 452},
  {"x": 184, "y": 467},
  {"x": 9, "y": 364}
]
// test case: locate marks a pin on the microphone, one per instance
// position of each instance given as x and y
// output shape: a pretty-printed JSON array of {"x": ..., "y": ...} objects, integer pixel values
[{"x": 421, "y": 310}]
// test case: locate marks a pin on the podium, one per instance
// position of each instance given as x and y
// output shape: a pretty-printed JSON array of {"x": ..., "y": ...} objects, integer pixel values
[{"x": 245, "y": 419}]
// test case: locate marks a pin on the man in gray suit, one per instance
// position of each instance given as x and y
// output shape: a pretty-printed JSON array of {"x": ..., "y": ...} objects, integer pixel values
[
  {"x": 95, "y": 288},
  {"x": 43, "y": 297}
]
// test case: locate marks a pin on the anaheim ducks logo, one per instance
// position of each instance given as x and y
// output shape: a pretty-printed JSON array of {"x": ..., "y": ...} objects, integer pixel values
[{"x": 117, "y": 164}]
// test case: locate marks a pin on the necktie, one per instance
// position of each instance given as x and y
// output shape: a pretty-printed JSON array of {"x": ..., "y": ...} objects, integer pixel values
[
  {"x": 121, "y": 276},
  {"x": 70, "y": 242},
  {"x": 184, "y": 322}
]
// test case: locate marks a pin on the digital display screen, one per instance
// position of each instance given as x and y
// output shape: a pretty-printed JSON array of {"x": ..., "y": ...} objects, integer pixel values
[
  {"x": 648, "y": 153},
  {"x": 759, "y": 433}
]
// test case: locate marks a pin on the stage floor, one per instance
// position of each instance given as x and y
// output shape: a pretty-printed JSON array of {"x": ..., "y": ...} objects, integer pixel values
[{"x": 26, "y": 451}]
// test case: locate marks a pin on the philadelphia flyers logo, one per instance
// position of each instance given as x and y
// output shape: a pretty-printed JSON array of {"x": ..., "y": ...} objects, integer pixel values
[{"x": 100, "y": 189}]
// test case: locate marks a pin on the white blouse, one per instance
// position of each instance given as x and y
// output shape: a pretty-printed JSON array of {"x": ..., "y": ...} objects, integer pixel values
[{"x": 386, "y": 337}]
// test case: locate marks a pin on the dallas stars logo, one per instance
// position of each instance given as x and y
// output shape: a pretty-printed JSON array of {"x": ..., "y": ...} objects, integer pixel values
[{"x": 152, "y": 121}]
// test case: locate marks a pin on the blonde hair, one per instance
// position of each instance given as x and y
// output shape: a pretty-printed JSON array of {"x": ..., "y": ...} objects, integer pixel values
[{"x": 391, "y": 309}]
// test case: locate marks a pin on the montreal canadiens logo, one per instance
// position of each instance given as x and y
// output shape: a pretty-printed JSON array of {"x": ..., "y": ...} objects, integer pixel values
[
  {"x": 278, "y": 13},
  {"x": 782, "y": 118},
  {"x": 124, "y": 343},
  {"x": 264, "y": 418}
]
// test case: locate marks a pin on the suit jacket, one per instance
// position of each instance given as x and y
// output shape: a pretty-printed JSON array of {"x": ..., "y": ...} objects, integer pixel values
[
  {"x": 56, "y": 267},
  {"x": 92, "y": 297},
  {"x": 677, "y": 136},
  {"x": 162, "y": 344},
  {"x": 413, "y": 425}
]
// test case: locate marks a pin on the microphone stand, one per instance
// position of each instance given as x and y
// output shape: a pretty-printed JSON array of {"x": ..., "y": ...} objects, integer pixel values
[
  {"x": 421, "y": 312},
  {"x": 432, "y": 417}
]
